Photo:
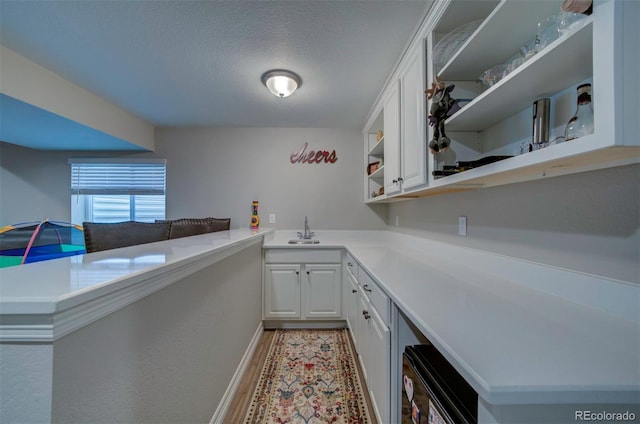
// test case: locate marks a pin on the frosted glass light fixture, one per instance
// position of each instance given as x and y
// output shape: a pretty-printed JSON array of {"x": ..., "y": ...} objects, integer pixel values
[{"x": 281, "y": 83}]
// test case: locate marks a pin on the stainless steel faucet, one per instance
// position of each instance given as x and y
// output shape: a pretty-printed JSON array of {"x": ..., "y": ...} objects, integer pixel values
[{"x": 307, "y": 230}]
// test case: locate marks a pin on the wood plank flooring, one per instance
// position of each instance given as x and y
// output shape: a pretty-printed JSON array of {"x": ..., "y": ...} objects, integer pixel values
[{"x": 241, "y": 401}]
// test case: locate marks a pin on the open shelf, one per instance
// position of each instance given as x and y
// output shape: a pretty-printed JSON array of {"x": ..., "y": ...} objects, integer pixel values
[
  {"x": 378, "y": 174},
  {"x": 513, "y": 23},
  {"x": 563, "y": 63},
  {"x": 378, "y": 149},
  {"x": 600, "y": 49},
  {"x": 585, "y": 153}
]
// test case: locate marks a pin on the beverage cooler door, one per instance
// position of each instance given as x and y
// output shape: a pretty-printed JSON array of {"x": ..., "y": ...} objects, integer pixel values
[
  {"x": 417, "y": 405},
  {"x": 432, "y": 391}
]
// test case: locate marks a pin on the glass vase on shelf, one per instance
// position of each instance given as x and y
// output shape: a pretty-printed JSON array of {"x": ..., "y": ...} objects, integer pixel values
[{"x": 581, "y": 123}]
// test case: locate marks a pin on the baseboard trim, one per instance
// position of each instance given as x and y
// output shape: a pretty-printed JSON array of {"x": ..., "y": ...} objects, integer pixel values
[
  {"x": 271, "y": 325},
  {"x": 225, "y": 402}
]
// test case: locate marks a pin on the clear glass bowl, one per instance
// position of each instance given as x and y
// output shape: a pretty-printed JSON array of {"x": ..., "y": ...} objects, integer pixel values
[
  {"x": 547, "y": 32},
  {"x": 450, "y": 43},
  {"x": 494, "y": 74}
]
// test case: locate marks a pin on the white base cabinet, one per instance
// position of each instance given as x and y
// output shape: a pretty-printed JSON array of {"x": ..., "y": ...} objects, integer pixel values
[
  {"x": 373, "y": 342},
  {"x": 301, "y": 285},
  {"x": 302, "y": 291},
  {"x": 350, "y": 299},
  {"x": 321, "y": 291},
  {"x": 282, "y": 291}
]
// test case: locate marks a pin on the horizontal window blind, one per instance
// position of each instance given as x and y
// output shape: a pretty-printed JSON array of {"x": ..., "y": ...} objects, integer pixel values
[{"x": 118, "y": 177}]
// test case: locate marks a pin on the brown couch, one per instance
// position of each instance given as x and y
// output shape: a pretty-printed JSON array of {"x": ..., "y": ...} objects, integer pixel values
[
  {"x": 185, "y": 227},
  {"x": 105, "y": 236}
]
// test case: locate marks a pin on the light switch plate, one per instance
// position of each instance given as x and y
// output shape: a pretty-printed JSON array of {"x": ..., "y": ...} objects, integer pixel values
[
  {"x": 462, "y": 225},
  {"x": 272, "y": 218}
]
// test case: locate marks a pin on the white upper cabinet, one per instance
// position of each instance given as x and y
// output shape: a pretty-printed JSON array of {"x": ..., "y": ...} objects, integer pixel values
[
  {"x": 497, "y": 120},
  {"x": 413, "y": 120},
  {"x": 392, "y": 141}
]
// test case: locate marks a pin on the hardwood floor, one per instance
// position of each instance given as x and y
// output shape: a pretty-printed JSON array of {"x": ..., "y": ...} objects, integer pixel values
[
  {"x": 242, "y": 399},
  {"x": 240, "y": 403}
]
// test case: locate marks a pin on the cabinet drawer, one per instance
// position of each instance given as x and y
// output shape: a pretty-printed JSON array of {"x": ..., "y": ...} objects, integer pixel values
[
  {"x": 311, "y": 256},
  {"x": 378, "y": 298},
  {"x": 350, "y": 264}
]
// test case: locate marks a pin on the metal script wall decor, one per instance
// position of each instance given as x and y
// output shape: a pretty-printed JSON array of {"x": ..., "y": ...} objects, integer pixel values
[{"x": 317, "y": 156}]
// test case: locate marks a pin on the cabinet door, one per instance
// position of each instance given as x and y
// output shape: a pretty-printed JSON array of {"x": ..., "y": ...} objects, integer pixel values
[
  {"x": 351, "y": 299},
  {"x": 412, "y": 122},
  {"x": 379, "y": 364},
  {"x": 374, "y": 341},
  {"x": 363, "y": 335},
  {"x": 392, "y": 140},
  {"x": 322, "y": 291},
  {"x": 282, "y": 291}
]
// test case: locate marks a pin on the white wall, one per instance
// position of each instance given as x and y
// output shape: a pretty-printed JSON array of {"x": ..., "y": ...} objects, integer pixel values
[
  {"x": 214, "y": 172},
  {"x": 167, "y": 358},
  {"x": 588, "y": 221},
  {"x": 31, "y": 83},
  {"x": 33, "y": 185},
  {"x": 219, "y": 172},
  {"x": 26, "y": 377},
  {"x": 36, "y": 184}
]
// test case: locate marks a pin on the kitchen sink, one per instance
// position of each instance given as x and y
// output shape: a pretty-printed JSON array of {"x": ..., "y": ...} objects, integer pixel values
[{"x": 303, "y": 241}]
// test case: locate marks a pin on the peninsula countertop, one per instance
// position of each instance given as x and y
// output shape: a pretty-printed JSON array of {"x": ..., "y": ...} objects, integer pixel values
[
  {"x": 37, "y": 299},
  {"x": 519, "y": 332}
]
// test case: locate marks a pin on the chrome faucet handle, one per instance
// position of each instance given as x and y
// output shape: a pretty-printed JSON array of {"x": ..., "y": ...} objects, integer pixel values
[
  {"x": 307, "y": 230},
  {"x": 299, "y": 234}
]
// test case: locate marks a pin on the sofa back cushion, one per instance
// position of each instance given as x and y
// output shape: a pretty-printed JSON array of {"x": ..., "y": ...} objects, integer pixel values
[
  {"x": 219, "y": 224},
  {"x": 105, "y": 236},
  {"x": 186, "y": 227}
]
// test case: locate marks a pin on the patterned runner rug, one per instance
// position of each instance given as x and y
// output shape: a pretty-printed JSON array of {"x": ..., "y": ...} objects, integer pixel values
[{"x": 309, "y": 377}]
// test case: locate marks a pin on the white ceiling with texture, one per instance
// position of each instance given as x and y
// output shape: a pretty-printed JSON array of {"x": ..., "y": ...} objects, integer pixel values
[{"x": 198, "y": 63}]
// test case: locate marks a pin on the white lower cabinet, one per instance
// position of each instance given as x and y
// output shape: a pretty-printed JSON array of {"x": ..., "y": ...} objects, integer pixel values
[
  {"x": 374, "y": 348},
  {"x": 350, "y": 298},
  {"x": 282, "y": 291},
  {"x": 321, "y": 291},
  {"x": 305, "y": 284},
  {"x": 299, "y": 291}
]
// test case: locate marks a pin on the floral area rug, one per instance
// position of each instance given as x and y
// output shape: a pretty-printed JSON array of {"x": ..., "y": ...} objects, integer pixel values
[{"x": 309, "y": 377}]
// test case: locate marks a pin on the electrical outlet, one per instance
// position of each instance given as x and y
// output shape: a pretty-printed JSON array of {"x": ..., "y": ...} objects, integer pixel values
[
  {"x": 272, "y": 218},
  {"x": 462, "y": 225}
]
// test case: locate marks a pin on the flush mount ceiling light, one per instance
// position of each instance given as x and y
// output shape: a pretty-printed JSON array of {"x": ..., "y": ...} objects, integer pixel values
[{"x": 281, "y": 83}]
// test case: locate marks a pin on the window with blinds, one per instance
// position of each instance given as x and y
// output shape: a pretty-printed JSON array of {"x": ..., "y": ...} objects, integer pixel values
[{"x": 114, "y": 190}]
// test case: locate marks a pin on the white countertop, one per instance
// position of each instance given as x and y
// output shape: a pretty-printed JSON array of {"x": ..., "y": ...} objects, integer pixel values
[
  {"x": 519, "y": 332},
  {"x": 36, "y": 299}
]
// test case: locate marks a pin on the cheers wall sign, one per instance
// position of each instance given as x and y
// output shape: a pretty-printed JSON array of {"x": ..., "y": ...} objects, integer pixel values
[{"x": 317, "y": 156}]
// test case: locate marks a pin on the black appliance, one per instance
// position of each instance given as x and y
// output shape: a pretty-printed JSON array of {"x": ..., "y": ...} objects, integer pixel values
[{"x": 433, "y": 392}]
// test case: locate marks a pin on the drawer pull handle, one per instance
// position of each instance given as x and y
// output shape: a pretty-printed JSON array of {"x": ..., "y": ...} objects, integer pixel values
[
  {"x": 366, "y": 288},
  {"x": 366, "y": 314},
  {"x": 354, "y": 291},
  {"x": 349, "y": 263}
]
